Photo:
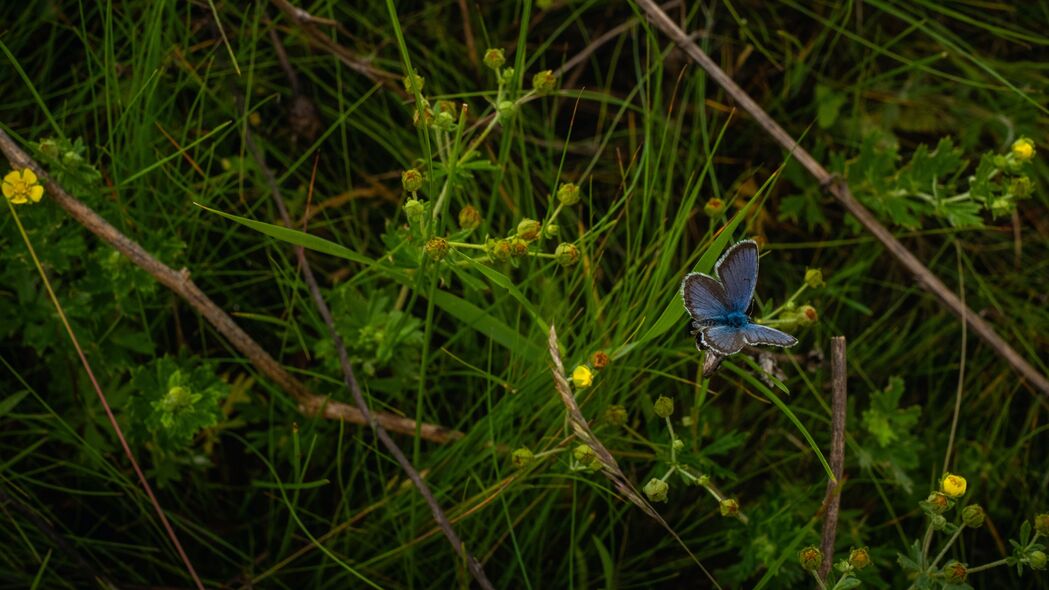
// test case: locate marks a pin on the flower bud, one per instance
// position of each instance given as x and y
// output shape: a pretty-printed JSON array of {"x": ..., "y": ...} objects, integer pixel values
[
  {"x": 507, "y": 76},
  {"x": 729, "y": 507},
  {"x": 952, "y": 485},
  {"x": 412, "y": 180},
  {"x": 469, "y": 217},
  {"x": 521, "y": 457},
  {"x": 616, "y": 415},
  {"x": 528, "y": 229},
  {"x": 1041, "y": 524},
  {"x": 814, "y": 278},
  {"x": 656, "y": 490},
  {"x": 506, "y": 110},
  {"x": 714, "y": 207},
  {"x": 494, "y": 58},
  {"x": 436, "y": 248},
  {"x": 955, "y": 573},
  {"x": 498, "y": 250},
  {"x": 664, "y": 406},
  {"x": 413, "y": 83},
  {"x": 414, "y": 209},
  {"x": 859, "y": 558},
  {"x": 544, "y": 82},
  {"x": 586, "y": 457},
  {"x": 551, "y": 230},
  {"x": 422, "y": 117},
  {"x": 938, "y": 522},
  {"x": 599, "y": 360},
  {"x": 677, "y": 445},
  {"x": 568, "y": 194},
  {"x": 444, "y": 121},
  {"x": 811, "y": 558},
  {"x": 973, "y": 516},
  {"x": 807, "y": 315},
  {"x": 1021, "y": 187},
  {"x": 1036, "y": 559},
  {"x": 1023, "y": 149},
  {"x": 518, "y": 247},
  {"x": 582, "y": 377},
  {"x": 566, "y": 254},
  {"x": 937, "y": 503}
]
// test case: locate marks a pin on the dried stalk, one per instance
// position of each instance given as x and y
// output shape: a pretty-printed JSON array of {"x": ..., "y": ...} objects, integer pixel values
[
  {"x": 832, "y": 501},
  {"x": 840, "y": 190},
  {"x": 309, "y": 403}
]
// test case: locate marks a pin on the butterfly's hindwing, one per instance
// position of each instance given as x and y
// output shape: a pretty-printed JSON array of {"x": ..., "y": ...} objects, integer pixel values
[
  {"x": 738, "y": 272},
  {"x": 723, "y": 340},
  {"x": 755, "y": 334}
]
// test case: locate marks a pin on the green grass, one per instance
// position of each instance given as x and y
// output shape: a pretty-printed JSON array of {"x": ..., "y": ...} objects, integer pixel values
[{"x": 267, "y": 497}]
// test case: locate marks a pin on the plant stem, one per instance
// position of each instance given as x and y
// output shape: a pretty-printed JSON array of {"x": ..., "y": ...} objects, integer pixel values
[{"x": 947, "y": 546}]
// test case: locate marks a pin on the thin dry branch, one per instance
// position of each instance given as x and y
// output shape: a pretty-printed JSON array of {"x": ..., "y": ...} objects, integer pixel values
[
  {"x": 309, "y": 403},
  {"x": 838, "y": 377},
  {"x": 926, "y": 278}
]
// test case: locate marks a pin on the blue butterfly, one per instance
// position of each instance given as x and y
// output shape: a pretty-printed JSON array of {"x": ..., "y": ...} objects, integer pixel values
[{"x": 719, "y": 304}]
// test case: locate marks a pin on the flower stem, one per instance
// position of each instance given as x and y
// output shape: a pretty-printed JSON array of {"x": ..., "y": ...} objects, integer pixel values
[
  {"x": 947, "y": 546},
  {"x": 987, "y": 566}
]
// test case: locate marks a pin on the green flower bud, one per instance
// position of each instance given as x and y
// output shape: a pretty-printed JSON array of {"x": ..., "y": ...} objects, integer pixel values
[
  {"x": 1001, "y": 207},
  {"x": 664, "y": 406},
  {"x": 413, "y": 83},
  {"x": 859, "y": 558},
  {"x": 528, "y": 229},
  {"x": 444, "y": 121},
  {"x": 810, "y": 558},
  {"x": 656, "y": 490},
  {"x": 677, "y": 445},
  {"x": 807, "y": 315},
  {"x": 729, "y": 507},
  {"x": 498, "y": 250},
  {"x": 494, "y": 58},
  {"x": 544, "y": 82},
  {"x": 521, "y": 457},
  {"x": 436, "y": 248},
  {"x": 414, "y": 209},
  {"x": 586, "y": 457},
  {"x": 714, "y": 207},
  {"x": 814, "y": 278},
  {"x": 937, "y": 522},
  {"x": 469, "y": 217},
  {"x": 937, "y": 503},
  {"x": 616, "y": 415},
  {"x": 1036, "y": 559},
  {"x": 506, "y": 109},
  {"x": 566, "y": 254},
  {"x": 518, "y": 247},
  {"x": 568, "y": 194},
  {"x": 551, "y": 230},
  {"x": 955, "y": 573},
  {"x": 412, "y": 180},
  {"x": 1041, "y": 524},
  {"x": 973, "y": 516},
  {"x": 506, "y": 76},
  {"x": 1021, "y": 186}
]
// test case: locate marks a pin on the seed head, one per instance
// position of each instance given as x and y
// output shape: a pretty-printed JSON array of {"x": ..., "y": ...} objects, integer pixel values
[
  {"x": 664, "y": 406},
  {"x": 599, "y": 360},
  {"x": 955, "y": 573},
  {"x": 469, "y": 217},
  {"x": 436, "y": 248},
  {"x": 714, "y": 207},
  {"x": 494, "y": 58},
  {"x": 729, "y": 507},
  {"x": 568, "y": 194},
  {"x": 521, "y": 457},
  {"x": 566, "y": 254},
  {"x": 859, "y": 558},
  {"x": 656, "y": 490},
  {"x": 412, "y": 180},
  {"x": 811, "y": 558},
  {"x": 544, "y": 82}
]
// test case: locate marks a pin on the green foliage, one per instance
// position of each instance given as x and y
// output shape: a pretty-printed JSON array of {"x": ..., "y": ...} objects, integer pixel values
[
  {"x": 172, "y": 401},
  {"x": 890, "y": 442}
]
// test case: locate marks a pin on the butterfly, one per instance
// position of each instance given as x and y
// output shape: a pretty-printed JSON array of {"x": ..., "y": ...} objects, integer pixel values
[{"x": 719, "y": 305}]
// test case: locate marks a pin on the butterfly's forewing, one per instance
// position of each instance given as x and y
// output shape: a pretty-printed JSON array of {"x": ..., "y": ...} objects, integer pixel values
[
  {"x": 755, "y": 334},
  {"x": 704, "y": 297},
  {"x": 723, "y": 340},
  {"x": 738, "y": 272}
]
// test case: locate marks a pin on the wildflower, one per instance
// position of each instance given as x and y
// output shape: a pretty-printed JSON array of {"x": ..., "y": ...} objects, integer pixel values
[
  {"x": 807, "y": 315},
  {"x": 599, "y": 360},
  {"x": 1036, "y": 559},
  {"x": 506, "y": 109},
  {"x": 729, "y": 507},
  {"x": 1041, "y": 524},
  {"x": 1021, "y": 186},
  {"x": 616, "y": 415},
  {"x": 497, "y": 249},
  {"x": 566, "y": 254},
  {"x": 586, "y": 457},
  {"x": 413, "y": 83},
  {"x": 664, "y": 406},
  {"x": 469, "y": 217},
  {"x": 814, "y": 278},
  {"x": 22, "y": 187},
  {"x": 1023, "y": 149},
  {"x": 582, "y": 377},
  {"x": 937, "y": 503},
  {"x": 494, "y": 58},
  {"x": 714, "y": 207},
  {"x": 436, "y": 248},
  {"x": 544, "y": 82},
  {"x": 952, "y": 485},
  {"x": 859, "y": 558},
  {"x": 412, "y": 180},
  {"x": 955, "y": 573},
  {"x": 568, "y": 194},
  {"x": 811, "y": 558},
  {"x": 528, "y": 229},
  {"x": 656, "y": 490},
  {"x": 521, "y": 457},
  {"x": 973, "y": 516}
]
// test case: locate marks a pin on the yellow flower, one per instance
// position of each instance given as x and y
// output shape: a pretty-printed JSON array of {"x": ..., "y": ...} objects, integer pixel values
[
  {"x": 953, "y": 485},
  {"x": 582, "y": 377},
  {"x": 22, "y": 187},
  {"x": 1023, "y": 149}
]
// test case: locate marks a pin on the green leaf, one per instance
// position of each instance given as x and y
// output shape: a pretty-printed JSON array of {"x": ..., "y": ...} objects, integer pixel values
[
  {"x": 11, "y": 401},
  {"x": 828, "y": 105}
]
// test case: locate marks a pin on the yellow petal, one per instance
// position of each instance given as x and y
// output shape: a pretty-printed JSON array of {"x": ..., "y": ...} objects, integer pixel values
[
  {"x": 19, "y": 199},
  {"x": 36, "y": 192},
  {"x": 9, "y": 191},
  {"x": 28, "y": 176},
  {"x": 12, "y": 177}
]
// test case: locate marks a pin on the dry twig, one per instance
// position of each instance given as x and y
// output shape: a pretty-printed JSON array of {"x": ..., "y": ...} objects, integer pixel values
[{"x": 832, "y": 501}]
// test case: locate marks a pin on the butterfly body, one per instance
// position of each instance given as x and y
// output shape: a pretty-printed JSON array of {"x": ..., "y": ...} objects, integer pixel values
[{"x": 718, "y": 305}]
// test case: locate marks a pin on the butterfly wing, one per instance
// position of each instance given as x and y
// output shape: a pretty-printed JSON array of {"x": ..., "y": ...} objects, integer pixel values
[
  {"x": 755, "y": 334},
  {"x": 722, "y": 340},
  {"x": 738, "y": 272},
  {"x": 704, "y": 298}
]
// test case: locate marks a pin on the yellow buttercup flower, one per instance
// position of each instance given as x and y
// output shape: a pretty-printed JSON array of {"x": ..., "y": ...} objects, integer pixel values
[
  {"x": 582, "y": 377},
  {"x": 21, "y": 187},
  {"x": 953, "y": 485},
  {"x": 1023, "y": 149}
]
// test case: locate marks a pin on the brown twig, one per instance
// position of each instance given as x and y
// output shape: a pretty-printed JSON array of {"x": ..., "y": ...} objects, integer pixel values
[
  {"x": 832, "y": 500},
  {"x": 840, "y": 190},
  {"x": 309, "y": 403},
  {"x": 351, "y": 380}
]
